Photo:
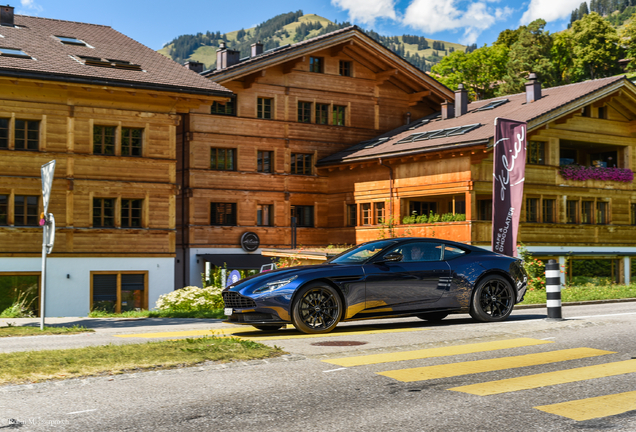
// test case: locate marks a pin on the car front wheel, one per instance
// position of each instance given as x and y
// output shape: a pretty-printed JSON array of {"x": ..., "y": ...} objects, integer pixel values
[
  {"x": 317, "y": 309},
  {"x": 493, "y": 300}
]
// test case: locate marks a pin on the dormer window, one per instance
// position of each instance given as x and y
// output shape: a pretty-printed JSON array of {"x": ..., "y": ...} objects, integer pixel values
[
  {"x": 71, "y": 41},
  {"x": 13, "y": 52}
]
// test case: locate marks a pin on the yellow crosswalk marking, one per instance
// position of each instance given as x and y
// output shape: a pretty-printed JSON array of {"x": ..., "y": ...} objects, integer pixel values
[
  {"x": 596, "y": 407},
  {"x": 435, "y": 352},
  {"x": 479, "y": 366},
  {"x": 289, "y": 333},
  {"x": 549, "y": 378}
]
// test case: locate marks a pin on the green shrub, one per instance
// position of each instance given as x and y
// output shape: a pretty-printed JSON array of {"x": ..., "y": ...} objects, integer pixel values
[{"x": 191, "y": 299}]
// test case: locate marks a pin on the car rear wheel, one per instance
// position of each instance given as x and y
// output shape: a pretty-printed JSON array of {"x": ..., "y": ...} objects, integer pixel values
[
  {"x": 268, "y": 327},
  {"x": 317, "y": 309},
  {"x": 433, "y": 316},
  {"x": 493, "y": 300}
]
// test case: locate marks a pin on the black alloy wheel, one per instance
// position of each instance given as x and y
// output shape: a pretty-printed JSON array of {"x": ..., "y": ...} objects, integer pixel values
[
  {"x": 493, "y": 300},
  {"x": 317, "y": 309},
  {"x": 433, "y": 316},
  {"x": 272, "y": 327}
]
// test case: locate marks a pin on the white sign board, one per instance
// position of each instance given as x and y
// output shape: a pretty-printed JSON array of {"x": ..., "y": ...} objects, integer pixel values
[{"x": 47, "y": 182}]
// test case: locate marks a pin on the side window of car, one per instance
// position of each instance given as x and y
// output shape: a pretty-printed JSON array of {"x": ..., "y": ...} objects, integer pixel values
[
  {"x": 414, "y": 252},
  {"x": 451, "y": 252}
]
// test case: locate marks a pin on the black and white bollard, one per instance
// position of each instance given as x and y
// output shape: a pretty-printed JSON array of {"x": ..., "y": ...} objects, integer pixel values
[{"x": 553, "y": 290}]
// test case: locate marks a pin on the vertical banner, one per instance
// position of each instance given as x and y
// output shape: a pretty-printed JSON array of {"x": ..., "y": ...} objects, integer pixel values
[
  {"x": 47, "y": 221},
  {"x": 509, "y": 169}
]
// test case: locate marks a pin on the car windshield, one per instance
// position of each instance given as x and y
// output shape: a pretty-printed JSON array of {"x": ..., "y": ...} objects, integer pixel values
[{"x": 361, "y": 253}]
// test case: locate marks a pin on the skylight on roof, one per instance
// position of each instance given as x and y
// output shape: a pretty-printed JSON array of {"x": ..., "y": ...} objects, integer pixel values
[
  {"x": 13, "y": 52},
  {"x": 369, "y": 144},
  {"x": 71, "y": 40},
  {"x": 491, "y": 105},
  {"x": 439, "y": 133},
  {"x": 109, "y": 63}
]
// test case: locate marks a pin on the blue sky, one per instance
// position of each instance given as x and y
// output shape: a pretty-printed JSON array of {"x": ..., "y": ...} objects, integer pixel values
[{"x": 154, "y": 23}]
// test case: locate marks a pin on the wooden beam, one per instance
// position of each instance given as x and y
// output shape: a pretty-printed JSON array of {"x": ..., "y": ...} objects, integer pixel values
[
  {"x": 415, "y": 98},
  {"x": 383, "y": 76},
  {"x": 336, "y": 50},
  {"x": 565, "y": 118},
  {"x": 290, "y": 65},
  {"x": 362, "y": 60},
  {"x": 399, "y": 84},
  {"x": 251, "y": 79}
]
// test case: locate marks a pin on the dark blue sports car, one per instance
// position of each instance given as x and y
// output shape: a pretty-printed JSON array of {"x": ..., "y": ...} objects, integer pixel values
[{"x": 422, "y": 277}]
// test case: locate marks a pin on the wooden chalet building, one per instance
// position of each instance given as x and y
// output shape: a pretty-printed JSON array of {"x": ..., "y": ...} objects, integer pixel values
[
  {"x": 442, "y": 163},
  {"x": 248, "y": 165},
  {"x": 106, "y": 109}
]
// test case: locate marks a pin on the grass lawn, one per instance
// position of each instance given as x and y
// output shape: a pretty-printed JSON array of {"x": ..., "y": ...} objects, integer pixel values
[
  {"x": 12, "y": 330},
  {"x": 584, "y": 293},
  {"x": 34, "y": 366},
  {"x": 212, "y": 313}
]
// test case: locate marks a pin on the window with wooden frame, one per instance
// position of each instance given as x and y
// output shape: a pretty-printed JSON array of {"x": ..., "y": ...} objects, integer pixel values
[
  {"x": 339, "y": 115},
  {"x": 532, "y": 209},
  {"x": 223, "y": 214},
  {"x": 633, "y": 216},
  {"x": 131, "y": 213},
  {"x": 366, "y": 217},
  {"x": 548, "y": 211},
  {"x": 26, "y": 134},
  {"x": 222, "y": 159},
  {"x": 586, "y": 111},
  {"x": 104, "y": 140},
  {"x": 322, "y": 113},
  {"x": 227, "y": 108},
  {"x": 117, "y": 292},
  {"x": 304, "y": 112},
  {"x": 265, "y": 215},
  {"x": 4, "y": 209},
  {"x": 587, "y": 215},
  {"x": 484, "y": 209},
  {"x": 602, "y": 213},
  {"x": 536, "y": 153},
  {"x": 316, "y": 64},
  {"x": 345, "y": 68},
  {"x": 304, "y": 215},
  {"x": 104, "y": 212},
  {"x": 572, "y": 212},
  {"x": 301, "y": 163},
  {"x": 131, "y": 141},
  {"x": 264, "y": 161},
  {"x": 379, "y": 212},
  {"x": 264, "y": 108},
  {"x": 602, "y": 113},
  {"x": 4, "y": 133},
  {"x": 352, "y": 215},
  {"x": 20, "y": 286},
  {"x": 25, "y": 210}
]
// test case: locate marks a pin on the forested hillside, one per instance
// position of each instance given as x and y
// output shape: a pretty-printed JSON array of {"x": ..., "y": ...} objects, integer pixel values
[{"x": 294, "y": 27}]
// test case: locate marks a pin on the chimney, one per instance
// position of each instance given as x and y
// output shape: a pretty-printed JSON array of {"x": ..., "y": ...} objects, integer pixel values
[
  {"x": 194, "y": 66},
  {"x": 257, "y": 49},
  {"x": 448, "y": 110},
  {"x": 226, "y": 57},
  {"x": 533, "y": 88},
  {"x": 6, "y": 16},
  {"x": 408, "y": 117},
  {"x": 461, "y": 101}
]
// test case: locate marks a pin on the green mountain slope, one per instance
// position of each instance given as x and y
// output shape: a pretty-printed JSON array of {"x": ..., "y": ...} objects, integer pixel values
[{"x": 295, "y": 27}]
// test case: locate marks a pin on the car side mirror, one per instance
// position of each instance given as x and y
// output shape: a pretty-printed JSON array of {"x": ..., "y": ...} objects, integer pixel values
[{"x": 392, "y": 257}]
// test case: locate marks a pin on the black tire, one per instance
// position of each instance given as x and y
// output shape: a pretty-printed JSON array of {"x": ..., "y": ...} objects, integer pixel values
[
  {"x": 317, "y": 309},
  {"x": 493, "y": 300},
  {"x": 268, "y": 327},
  {"x": 433, "y": 316}
]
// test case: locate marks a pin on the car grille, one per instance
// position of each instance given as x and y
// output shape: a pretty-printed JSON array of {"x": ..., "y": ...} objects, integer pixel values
[{"x": 235, "y": 300}]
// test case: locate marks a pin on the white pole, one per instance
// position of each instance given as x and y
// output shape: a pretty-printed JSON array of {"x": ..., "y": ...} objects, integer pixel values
[{"x": 43, "y": 277}]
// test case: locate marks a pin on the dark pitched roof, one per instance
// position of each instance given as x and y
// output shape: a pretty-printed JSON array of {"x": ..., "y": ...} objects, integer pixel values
[
  {"x": 437, "y": 134},
  {"x": 53, "y": 60}
]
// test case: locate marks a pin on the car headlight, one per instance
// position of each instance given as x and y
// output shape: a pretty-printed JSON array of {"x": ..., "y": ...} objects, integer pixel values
[{"x": 271, "y": 286}]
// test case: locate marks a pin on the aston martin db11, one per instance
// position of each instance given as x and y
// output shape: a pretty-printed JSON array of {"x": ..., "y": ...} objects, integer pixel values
[{"x": 422, "y": 277}]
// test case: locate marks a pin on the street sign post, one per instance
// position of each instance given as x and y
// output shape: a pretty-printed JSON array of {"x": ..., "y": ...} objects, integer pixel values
[{"x": 47, "y": 221}]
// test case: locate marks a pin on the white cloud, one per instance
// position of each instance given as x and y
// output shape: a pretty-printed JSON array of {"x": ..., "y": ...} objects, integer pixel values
[
  {"x": 549, "y": 10},
  {"x": 432, "y": 16},
  {"x": 31, "y": 5},
  {"x": 367, "y": 11}
]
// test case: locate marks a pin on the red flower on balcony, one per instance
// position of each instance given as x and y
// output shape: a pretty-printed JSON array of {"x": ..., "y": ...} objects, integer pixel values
[{"x": 582, "y": 173}]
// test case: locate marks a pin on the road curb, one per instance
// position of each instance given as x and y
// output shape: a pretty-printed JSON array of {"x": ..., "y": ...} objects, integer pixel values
[{"x": 579, "y": 303}]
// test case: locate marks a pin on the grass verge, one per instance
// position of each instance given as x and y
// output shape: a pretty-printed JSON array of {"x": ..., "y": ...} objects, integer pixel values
[
  {"x": 584, "y": 293},
  {"x": 168, "y": 313},
  {"x": 35, "y": 366},
  {"x": 12, "y": 330}
]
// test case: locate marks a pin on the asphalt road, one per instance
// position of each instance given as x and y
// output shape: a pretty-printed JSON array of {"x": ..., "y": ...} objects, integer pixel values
[{"x": 398, "y": 377}]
